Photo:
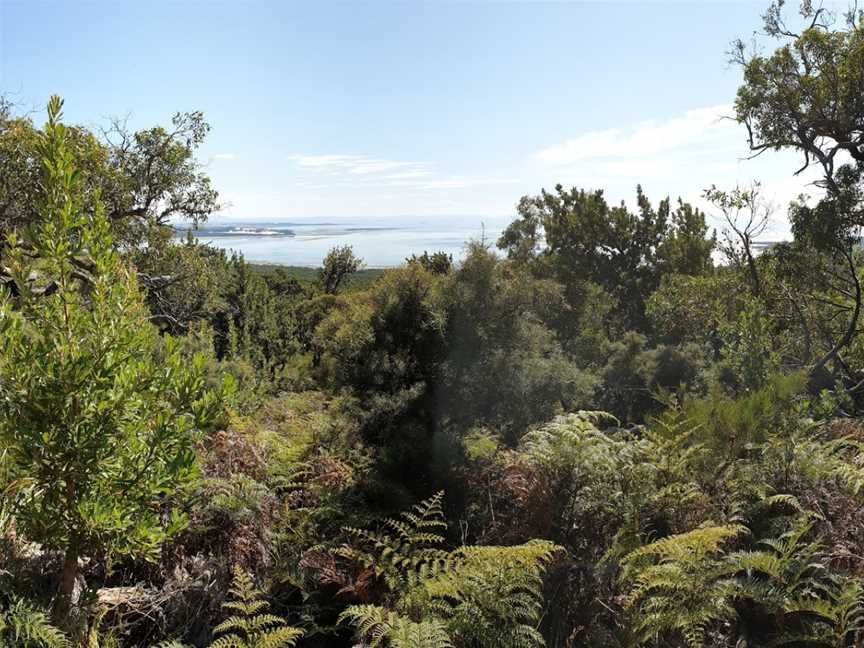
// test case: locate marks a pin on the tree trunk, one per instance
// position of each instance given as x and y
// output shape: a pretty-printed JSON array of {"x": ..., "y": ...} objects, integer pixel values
[
  {"x": 68, "y": 592},
  {"x": 70, "y": 575},
  {"x": 66, "y": 599}
]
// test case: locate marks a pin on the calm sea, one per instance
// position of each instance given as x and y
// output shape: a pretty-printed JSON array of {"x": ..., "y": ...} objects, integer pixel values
[{"x": 379, "y": 243}]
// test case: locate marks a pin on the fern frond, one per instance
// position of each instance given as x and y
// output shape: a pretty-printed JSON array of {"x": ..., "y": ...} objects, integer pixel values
[
  {"x": 229, "y": 641},
  {"x": 284, "y": 637},
  {"x": 375, "y": 626},
  {"x": 26, "y": 626},
  {"x": 248, "y": 626}
]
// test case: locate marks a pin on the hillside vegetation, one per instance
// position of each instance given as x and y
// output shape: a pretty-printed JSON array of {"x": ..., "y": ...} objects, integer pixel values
[{"x": 615, "y": 428}]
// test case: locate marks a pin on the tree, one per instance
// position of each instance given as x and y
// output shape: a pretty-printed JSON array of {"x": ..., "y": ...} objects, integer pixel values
[
  {"x": 98, "y": 416},
  {"x": 694, "y": 309},
  {"x": 576, "y": 237},
  {"x": 337, "y": 267},
  {"x": 20, "y": 169},
  {"x": 159, "y": 176},
  {"x": 436, "y": 263},
  {"x": 385, "y": 344},
  {"x": 184, "y": 282},
  {"x": 144, "y": 178},
  {"x": 747, "y": 216},
  {"x": 806, "y": 96},
  {"x": 504, "y": 366}
]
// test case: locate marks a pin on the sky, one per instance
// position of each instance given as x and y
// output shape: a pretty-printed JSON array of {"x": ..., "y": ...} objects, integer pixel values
[{"x": 400, "y": 110}]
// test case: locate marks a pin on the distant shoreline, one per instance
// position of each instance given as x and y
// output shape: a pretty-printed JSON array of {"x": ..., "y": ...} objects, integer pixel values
[{"x": 380, "y": 244}]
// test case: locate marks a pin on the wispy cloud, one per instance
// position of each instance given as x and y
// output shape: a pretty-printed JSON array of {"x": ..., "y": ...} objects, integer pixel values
[
  {"x": 224, "y": 156},
  {"x": 463, "y": 183},
  {"x": 677, "y": 156},
  {"x": 362, "y": 171},
  {"x": 693, "y": 127},
  {"x": 358, "y": 165}
]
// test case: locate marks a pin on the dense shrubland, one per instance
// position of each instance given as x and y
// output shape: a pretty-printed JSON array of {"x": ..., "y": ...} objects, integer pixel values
[{"x": 620, "y": 429}]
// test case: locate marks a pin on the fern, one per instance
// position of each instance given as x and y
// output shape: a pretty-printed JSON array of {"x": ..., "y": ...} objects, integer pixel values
[
  {"x": 686, "y": 585},
  {"x": 22, "y": 626},
  {"x": 493, "y": 596},
  {"x": 473, "y": 596},
  {"x": 249, "y": 625},
  {"x": 406, "y": 550},
  {"x": 377, "y": 626},
  {"x": 674, "y": 584},
  {"x": 788, "y": 580},
  {"x": 835, "y": 619},
  {"x": 841, "y": 459}
]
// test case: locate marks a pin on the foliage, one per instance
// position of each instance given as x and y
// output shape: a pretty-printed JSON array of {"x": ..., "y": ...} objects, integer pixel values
[
  {"x": 717, "y": 503},
  {"x": 143, "y": 178},
  {"x": 576, "y": 236},
  {"x": 157, "y": 177},
  {"x": 673, "y": 585},
  {"x": 805, "y": 96},
  {"x": 380, "y": 627},
  {"x": 504, "y": 366},
  {"x": 337, "y": 268},
  {"x": 436, "y": 263},
  {"x": 98, "y": 416},
  {"x": 472, "y": 596},
  {"x": 23, "y": 626},
  {"x": 249, "y": 625}
]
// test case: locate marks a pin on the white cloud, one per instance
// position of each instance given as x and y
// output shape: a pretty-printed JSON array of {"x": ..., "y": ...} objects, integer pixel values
[
  {"x": 356, "y": 165},
  {"x": 224, "y": 156},
  {"x": 363, "y": 172},
  {"x": 678, "y": 156},
  {"x": 462, "y": 183},
  {"x": 694, "y": 127}
]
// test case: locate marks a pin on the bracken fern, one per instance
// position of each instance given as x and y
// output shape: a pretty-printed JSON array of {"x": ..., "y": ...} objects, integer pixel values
[
  {"x": 249, "y": 625},
  {"x": 23, "y": 626}
]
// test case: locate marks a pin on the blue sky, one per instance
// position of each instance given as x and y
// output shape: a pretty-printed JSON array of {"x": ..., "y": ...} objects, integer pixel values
[{"x": 415, "y": 109}]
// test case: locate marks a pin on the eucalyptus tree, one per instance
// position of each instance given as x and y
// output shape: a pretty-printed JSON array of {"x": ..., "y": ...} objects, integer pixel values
[
  {"x": 808, "y": 96},
  {"x": 144, "y": 178}
]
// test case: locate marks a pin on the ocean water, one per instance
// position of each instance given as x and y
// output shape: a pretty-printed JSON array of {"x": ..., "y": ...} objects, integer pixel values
[{"x": 379, "y": 243}]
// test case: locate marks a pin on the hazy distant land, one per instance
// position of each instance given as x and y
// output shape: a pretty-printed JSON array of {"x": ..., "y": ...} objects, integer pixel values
[{"x": 379, "y": 243}]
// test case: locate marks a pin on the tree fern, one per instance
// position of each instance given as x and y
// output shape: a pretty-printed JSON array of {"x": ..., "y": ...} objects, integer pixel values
[{"x": 249, "y": 625}]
